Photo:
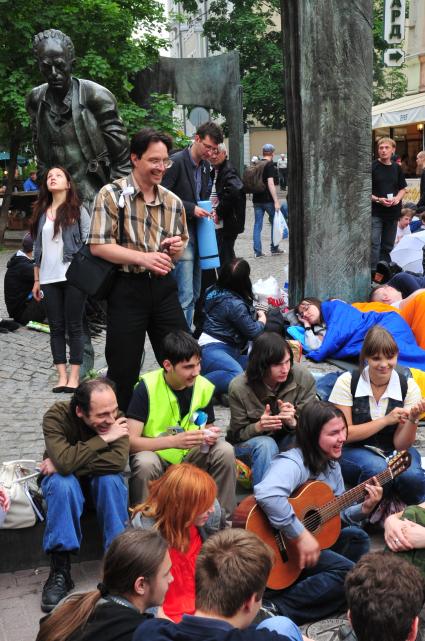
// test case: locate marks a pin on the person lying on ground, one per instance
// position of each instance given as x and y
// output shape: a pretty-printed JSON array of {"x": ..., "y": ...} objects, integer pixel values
[
  {"x": 265, "y": 402},
  {"x": 318, "y": 592},
  {"x": 231, "y": 573},
  {"x": 162, "y": 419},
  {"x": 390, "y": 295},
  {"x": 412, "y": 308},
  {"x": 382, "y": 410},
  {"x": 310, "y": 316},
  {"x": 230, "y": 321},
  {"x": 136, "y": 576},
  {"x": 182, "y": 506}
]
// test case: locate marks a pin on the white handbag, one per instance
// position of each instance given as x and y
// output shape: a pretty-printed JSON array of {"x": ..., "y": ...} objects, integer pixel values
[{"x": 18, "y": 479}]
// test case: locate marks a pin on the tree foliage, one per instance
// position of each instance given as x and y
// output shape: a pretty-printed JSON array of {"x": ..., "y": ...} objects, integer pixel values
[
  {"x": 252, "y": 27},
  {"x": 389, "y": 83}
]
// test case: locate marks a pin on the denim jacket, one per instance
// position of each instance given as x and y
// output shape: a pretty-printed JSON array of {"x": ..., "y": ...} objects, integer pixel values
[
  {"x": 73, "y": 236},
  {"x": 230, "y": 318}
]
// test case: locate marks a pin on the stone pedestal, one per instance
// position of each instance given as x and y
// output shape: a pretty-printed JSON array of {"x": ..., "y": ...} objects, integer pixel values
[{"x": 328, "y": 70}]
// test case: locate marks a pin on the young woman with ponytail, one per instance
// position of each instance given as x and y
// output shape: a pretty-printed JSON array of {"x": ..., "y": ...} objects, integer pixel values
[{"x": 136, "y": 576}]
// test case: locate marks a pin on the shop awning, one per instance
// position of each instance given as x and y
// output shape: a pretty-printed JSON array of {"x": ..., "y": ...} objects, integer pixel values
[{"x": 396, "y": 113}]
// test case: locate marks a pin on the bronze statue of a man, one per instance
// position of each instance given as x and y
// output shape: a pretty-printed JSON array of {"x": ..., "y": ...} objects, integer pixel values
[{"x": 75, "y": 122}]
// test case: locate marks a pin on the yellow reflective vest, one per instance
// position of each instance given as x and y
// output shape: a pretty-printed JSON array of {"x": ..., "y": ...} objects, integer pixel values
[{"x": 164, "y": 410}]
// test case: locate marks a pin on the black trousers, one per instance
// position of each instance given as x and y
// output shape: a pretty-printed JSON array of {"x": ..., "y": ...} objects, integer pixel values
[
  {"x": 33, "y": 312},
  {"x": 138, "y": 303},
  {"x": 65, "y": 308}
]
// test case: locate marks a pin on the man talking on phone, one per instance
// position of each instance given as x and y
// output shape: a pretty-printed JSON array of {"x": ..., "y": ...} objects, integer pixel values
[
  {"x": 171, "y": 420},
  {"x": 144, "y": 297}
]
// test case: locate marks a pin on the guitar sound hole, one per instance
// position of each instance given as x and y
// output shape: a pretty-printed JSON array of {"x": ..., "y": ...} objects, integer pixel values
[{"x": 311, "y": 520}]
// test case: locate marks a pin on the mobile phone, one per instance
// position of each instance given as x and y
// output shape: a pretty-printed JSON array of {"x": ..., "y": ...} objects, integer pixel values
[{"x": 175, "y": 429}]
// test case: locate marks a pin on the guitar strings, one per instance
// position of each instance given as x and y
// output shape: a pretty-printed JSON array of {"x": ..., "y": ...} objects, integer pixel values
[{"x": 333, "y": 507}]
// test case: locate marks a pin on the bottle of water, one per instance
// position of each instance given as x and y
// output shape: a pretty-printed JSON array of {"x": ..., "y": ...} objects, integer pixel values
[{"x": 286, "y": 285}]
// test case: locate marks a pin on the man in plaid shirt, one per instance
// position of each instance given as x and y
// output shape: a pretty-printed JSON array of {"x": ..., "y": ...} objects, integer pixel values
[{"x": 144, "y": 296}]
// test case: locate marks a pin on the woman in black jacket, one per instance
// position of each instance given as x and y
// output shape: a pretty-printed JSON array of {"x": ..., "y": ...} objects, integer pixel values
[{"x": 136, "y": 575}]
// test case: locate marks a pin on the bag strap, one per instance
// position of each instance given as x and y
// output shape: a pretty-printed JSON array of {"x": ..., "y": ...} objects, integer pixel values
[{"x": 118, "y": 192}]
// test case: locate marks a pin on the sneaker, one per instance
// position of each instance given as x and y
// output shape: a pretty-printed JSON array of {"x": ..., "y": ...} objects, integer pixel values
[
  {"x": 275, "y": 252},
  {"x": 55, "y": 589},
  {"x": 259, "y": 255}
]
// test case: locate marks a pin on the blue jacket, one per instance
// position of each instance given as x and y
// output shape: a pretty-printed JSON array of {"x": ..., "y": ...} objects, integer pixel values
[
  {"x": 73, "y": 237},
  {"x": 230, "y": 318}
]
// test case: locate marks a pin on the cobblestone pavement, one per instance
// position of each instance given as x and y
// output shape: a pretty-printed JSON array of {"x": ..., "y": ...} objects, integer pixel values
[{"x": 26, "y": 378}]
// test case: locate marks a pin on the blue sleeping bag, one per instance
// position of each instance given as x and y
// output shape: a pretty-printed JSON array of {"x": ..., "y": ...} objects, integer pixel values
[{"x": 346, "y": 328}]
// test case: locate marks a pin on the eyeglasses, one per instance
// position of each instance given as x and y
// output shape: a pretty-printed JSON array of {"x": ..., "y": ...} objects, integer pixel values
[
  {"x": 158, "y": 162},
  {"x": 212, "y": 150},
  {"x": 303, "y": 308}
]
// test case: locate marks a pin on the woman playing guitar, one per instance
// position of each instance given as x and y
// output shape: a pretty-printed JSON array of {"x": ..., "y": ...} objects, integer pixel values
[{"x": 319, "y": 590}]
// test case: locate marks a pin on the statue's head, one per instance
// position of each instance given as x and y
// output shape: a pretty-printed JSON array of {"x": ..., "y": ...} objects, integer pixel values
[{"x": 55, "y": 53}]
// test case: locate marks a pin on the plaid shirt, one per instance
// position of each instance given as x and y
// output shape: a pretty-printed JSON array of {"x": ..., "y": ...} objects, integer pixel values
[{"x": 146, "y": 225}]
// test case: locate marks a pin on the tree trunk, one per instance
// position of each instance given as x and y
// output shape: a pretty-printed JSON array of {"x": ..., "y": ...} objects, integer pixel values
[
  {"x": 328, "y": 48},
  {"x": 15, "y": 143}
]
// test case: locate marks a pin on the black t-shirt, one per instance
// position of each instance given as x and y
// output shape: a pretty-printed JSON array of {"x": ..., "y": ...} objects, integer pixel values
[
  {"x": 139, "y": 404},
  {"x": 386, "y": 179},
  {"x": 265, "y": 196}
]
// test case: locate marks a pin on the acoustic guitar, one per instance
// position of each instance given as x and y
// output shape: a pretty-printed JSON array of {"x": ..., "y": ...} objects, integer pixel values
[{"x": 318, "y": 509}]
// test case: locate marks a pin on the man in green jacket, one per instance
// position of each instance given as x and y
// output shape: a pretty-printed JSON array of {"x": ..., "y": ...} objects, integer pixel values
[
  {"x": 86, "y": 448},
  {"x": 265, "y": 402}
]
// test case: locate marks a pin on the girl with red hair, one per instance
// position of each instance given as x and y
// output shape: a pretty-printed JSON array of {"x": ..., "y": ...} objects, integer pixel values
[{"x": 182, "y": 506}]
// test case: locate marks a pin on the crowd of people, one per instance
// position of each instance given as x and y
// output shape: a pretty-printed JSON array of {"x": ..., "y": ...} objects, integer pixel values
[{"x": 173, "y": 567}]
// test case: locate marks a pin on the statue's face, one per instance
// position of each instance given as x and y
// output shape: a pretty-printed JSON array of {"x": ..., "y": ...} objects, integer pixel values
[{"x": 55, "y": 65}]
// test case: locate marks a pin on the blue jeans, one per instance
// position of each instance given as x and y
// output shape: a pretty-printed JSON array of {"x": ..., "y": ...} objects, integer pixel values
[
  {"x": 283, "y": 626},
  {"x": 188, "y": 277},
  {"x": 319, "y": 591},
  {"x": 359, "y": 464},
  {"x": 259, "y": 450},
  {"x": 259, "y": 210},
  {"x": 221, "y": 363},
  {"x": 65, "y": 502}
]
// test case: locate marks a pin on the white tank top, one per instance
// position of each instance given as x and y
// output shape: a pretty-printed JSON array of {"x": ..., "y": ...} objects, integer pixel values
[{"x": 52, "y": 267}]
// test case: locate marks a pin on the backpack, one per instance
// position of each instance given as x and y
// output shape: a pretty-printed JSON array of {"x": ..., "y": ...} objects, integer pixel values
[{"x": 253, "y": 178}]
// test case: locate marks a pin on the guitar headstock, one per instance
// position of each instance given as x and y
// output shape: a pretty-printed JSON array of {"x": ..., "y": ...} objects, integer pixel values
[{"x": 399, "y": 462}]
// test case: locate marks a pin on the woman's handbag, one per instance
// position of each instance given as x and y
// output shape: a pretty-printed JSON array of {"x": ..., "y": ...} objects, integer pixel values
[
  {"x": 93, "y": 275},
  {"x": 18, "y": 478}
]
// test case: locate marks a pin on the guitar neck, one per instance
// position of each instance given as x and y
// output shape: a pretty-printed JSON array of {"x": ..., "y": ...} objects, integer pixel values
[{"x": 355, "y": 495}]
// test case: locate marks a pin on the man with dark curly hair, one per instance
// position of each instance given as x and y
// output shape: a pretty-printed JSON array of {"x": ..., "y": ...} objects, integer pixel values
[{"x": 385, "y": 594}]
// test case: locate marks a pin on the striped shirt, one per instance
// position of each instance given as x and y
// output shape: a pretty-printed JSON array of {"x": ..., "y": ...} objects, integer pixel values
[{"x": 146, "y": 225}]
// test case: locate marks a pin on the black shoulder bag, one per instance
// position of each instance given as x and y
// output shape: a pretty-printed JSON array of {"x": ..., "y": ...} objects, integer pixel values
[{"x": 93, "y": 275}]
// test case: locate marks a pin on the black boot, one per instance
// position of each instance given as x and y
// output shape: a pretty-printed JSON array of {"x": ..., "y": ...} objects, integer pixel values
[{"x": 59, "y": 582}]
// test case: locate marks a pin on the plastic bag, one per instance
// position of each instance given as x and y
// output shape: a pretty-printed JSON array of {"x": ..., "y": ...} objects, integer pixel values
[
  {"x": 280, "y": 228},
  {"x": 267, "y": 292}
]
